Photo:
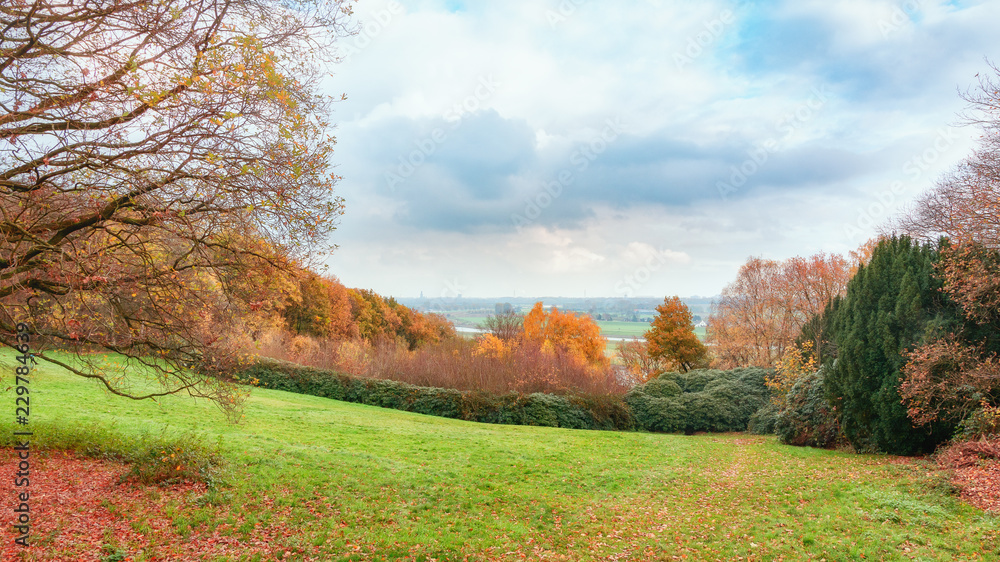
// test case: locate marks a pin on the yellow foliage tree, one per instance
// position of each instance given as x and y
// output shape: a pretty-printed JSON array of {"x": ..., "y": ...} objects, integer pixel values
[
  {"x": 796, "y": 361},
  {"x": 491, "y": 346}
]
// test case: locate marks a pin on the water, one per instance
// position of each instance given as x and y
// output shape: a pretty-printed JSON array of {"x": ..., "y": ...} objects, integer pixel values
[{"x": 467, "y": 330}]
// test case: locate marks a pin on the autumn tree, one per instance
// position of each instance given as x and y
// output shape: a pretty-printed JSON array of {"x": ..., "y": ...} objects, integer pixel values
[
  {"x": 157, "y": 153},
  {"x": 672, "y": 340},
  {"x": 321, "y": 307},
  {"x": 577, "y": 335},
  {"x": 762, "y": 312},
  {"x": 634, "y": 357},
  {"x": 951, "y": 377}
]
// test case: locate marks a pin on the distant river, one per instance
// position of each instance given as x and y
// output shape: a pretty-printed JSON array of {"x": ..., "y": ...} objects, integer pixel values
[{"x": 466, "y": 330}]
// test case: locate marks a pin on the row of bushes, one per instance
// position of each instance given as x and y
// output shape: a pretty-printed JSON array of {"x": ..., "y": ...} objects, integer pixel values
[
  {"x": 700, "y": 400},
  {"x": 573, "y": 411}
]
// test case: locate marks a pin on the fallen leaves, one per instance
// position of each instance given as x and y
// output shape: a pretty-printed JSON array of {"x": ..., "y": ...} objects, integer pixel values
[{"x": 975, "y": 469}]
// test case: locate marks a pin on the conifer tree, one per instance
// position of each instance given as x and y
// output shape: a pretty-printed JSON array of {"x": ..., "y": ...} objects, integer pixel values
[{"x": 892, "y": 305}]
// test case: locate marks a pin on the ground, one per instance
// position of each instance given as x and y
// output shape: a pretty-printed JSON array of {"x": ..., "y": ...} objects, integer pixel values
[{"x": 324, "y": 480}]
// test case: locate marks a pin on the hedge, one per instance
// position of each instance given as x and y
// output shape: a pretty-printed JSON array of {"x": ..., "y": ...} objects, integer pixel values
[
  {"x": 574, "y": 411},
  {"x": 699, "y": 400}
]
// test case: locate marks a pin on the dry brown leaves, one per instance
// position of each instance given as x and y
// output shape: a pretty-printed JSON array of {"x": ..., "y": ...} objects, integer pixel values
[{"x": 975, "y": 468}]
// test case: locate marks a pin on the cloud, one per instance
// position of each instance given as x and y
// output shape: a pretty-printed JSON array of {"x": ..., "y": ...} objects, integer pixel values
[{"x": 475, "y": 142}]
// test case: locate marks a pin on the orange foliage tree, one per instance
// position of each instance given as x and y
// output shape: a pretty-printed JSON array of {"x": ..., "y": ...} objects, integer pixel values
[
  {"x": 579, "y": 336},
  {"x": 156, "y": 151},
  {"x": 671, "y": 339},
  {"x": 763, "y": 310},
  {"x": 321, "y": 307}
]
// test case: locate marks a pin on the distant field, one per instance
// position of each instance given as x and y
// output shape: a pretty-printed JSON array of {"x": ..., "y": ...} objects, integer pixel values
[
  {"x": 316, "y": 479},
  {"x": 623, "y": 329},
  {"x": 608, "y": 329}
]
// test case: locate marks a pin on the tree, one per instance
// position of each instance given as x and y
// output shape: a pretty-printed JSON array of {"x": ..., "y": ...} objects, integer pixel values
[
  {"x": 634, "y": 355},
  {"x": 158, "y": 154},
  {"x": 671, "y": 339},
  {"x": 763, "y": 310},
  {"x": 321, "y": 308},
  {"x": 956, "y": 374},
  {"x": 505, "y": 325},
  {"x": 579, "y": 336},
  {"x": 892, "y": 305}
]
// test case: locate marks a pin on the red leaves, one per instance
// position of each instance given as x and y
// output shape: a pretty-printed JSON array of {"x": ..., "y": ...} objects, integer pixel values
[
  {"x": 975, "y": 469},
  {"x": 79, "y": 506}
]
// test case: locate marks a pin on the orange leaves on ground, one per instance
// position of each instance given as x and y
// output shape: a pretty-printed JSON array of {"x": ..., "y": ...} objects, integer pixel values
[{"x": 975, "y": 470}]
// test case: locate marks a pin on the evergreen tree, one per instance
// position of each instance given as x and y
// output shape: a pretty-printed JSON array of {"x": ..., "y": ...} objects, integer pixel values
[{"x": 893, "y": 304}]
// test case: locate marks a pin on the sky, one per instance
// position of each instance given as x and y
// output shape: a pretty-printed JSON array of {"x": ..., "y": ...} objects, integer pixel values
[{"x": 637, "y": 148}]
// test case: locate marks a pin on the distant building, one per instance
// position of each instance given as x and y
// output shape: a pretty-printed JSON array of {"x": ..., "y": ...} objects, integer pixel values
[{"x": 701, "y": 324}]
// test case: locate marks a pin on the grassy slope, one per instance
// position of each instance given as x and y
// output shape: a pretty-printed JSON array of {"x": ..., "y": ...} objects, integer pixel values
[{"x": 406, "y": 484}]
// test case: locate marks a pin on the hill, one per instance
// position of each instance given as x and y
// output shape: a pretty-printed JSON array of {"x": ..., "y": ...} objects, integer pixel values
[{"x": 325, "y": 480}]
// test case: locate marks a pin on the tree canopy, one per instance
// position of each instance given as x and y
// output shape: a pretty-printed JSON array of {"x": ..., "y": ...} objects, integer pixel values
[
  {"x": 892, "y": 305},
  {"x": 671, "y": 339},
  {"x": 159, "y": 156}
]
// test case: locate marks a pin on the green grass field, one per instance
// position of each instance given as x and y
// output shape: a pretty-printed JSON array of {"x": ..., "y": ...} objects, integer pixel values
[
  {"x": 344, "y": 481},
  {"x": 623, "y": 329}
]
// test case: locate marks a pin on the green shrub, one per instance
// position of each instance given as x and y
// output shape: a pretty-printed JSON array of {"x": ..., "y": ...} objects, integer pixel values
[
  {"x": 550, "y": 410},
  {"x": 699, "y": 400},
  {"x": 807, "y": 418},
  {"x": 762, "y": 421}
]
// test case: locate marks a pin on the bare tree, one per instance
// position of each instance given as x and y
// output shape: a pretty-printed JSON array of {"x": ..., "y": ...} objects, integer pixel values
[
  {"x": 506, "y": 325},
  {"x": 964, "y": 205},
  {"x": 157, "y": 156}
]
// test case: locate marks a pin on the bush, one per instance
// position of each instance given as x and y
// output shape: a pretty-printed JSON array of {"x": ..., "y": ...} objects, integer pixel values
[
  {"x": 807, "y": 419},
  {"x": 762, "y": 421},
  {"x": 700, "y": 400},
  {"x": 569, "y": 411}
]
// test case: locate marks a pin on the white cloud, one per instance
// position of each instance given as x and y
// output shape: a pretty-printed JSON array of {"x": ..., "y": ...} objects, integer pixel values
[{"x": 652, "y": 194}]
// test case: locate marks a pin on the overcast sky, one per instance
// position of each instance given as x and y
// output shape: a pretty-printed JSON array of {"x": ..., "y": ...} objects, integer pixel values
[{"x": 645, "y": 147}]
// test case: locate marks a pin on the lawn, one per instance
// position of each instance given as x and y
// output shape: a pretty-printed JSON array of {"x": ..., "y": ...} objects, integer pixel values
[{"x": 327, "y": 480}]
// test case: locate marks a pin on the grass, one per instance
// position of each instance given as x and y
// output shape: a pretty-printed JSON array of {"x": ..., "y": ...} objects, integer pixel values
[
  {"x": 623, "y": 329},
  {"x": 351, "y": 482}
]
